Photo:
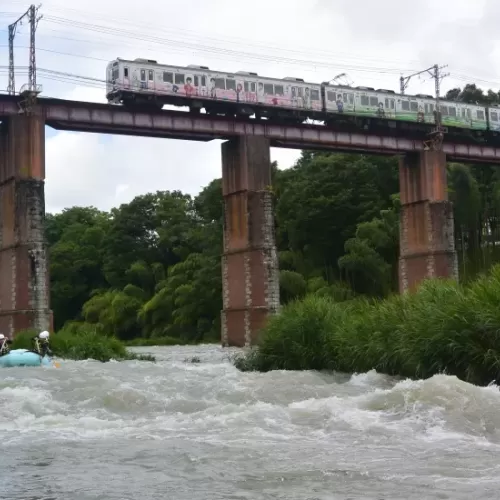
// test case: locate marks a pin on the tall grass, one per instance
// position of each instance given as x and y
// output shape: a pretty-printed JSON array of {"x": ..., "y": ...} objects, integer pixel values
[
  {"x": 442, "y": 328},
  {"x": 81, "y": 343}
]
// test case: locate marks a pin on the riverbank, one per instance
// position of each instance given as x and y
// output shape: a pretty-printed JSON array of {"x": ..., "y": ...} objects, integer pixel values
[
  {"x": 442, "y": 328},
  {"x": 82, "y": 344}
]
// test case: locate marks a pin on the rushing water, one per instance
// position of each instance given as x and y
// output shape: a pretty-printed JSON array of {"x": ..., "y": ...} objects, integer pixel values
[{"x": 177, "y": 430}]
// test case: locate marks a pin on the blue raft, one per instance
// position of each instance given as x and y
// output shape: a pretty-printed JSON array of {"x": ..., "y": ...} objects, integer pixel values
[{"x": 23, "y": 357}]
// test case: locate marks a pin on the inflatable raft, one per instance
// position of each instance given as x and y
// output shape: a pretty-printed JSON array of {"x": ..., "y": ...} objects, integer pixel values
[{"x": 23, "y": 357}]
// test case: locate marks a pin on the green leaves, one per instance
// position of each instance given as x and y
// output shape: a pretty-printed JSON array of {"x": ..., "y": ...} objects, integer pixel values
[{"x": 442, "y": 328}]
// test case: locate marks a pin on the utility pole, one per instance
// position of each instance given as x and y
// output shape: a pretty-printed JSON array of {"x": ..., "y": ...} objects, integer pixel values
[
  {"x": 33, "y": 18},
  {"x": 436, "y": 135}
]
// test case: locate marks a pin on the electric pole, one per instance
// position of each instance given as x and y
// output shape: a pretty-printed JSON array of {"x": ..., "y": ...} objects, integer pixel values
[
  {"x": 436, "y": 135},
  {"x": 33, "y": 18}
]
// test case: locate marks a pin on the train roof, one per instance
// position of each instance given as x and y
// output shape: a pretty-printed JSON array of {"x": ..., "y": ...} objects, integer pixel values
[
  {"x": 399, "y": 95},
  {"x": 227, "y": 73}
]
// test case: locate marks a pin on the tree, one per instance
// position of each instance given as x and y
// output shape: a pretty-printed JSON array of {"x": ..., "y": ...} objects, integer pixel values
[{"x": 323, "y": 199}]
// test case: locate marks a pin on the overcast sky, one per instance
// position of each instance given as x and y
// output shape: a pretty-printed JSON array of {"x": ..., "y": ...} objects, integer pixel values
[{"x": 314, "y": 39}]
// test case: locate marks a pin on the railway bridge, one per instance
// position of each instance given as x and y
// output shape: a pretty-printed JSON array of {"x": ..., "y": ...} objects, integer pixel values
[{"x": 250, "y": 264}]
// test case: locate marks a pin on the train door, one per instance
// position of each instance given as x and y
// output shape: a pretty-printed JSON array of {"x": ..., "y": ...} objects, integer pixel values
[
  {"x": 390, "y": 107},
  {"x": 466, "y": 116},
  {"x": 300, "y": 97},
  {"x": 250, "y": 91},
  {"x": 200, "y": 85},
  {"x": 126, "y": 77},
  {"x": 151, "y": 80},
  {"x": 429, "y": 112},
  {"x": 142, "y": 83}
]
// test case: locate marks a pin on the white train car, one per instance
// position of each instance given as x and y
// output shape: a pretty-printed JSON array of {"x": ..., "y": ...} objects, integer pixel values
[{"x": 198, "y": 86}]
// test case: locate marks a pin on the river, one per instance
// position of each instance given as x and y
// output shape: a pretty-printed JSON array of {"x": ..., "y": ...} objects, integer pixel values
[{"x": 201, "y": 431}]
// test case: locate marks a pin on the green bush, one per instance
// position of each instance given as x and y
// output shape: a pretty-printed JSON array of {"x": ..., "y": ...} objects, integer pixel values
[
  {"x": 441, "y": 328},
  {"x": 80, "y": 342}
]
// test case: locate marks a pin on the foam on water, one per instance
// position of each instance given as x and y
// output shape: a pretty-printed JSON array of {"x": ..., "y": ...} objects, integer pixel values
[{"x": 204, "y": 430}]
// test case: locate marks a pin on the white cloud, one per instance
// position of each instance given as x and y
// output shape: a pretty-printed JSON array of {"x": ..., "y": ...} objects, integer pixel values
[{"x": 314, "y": 40}]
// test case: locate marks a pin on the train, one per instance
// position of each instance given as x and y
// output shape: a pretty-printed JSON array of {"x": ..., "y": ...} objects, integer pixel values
[{"x": 145, "y": 82}]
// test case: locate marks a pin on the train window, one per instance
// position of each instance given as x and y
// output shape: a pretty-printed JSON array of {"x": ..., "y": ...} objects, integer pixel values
[
  {"x": 480, "y": 114},
  {"x": 405, "y": 105},
  {"x": 414, "y": 105},
  {"x": 364, "y": 100},
  {"x": 246, "y": 87},
  {"x": 444, "y": 110},
  {"x": 389, "y": 103},
  {"x": 268, "y": 88},
  {"x": 253, "y": 87},
  {"x": 331, "y": 96},
  {"x": 452, "y": 111},
  {"x": 230, "y": 84},
  {"x": 220, "y": 83},
  {"x": 494, "y": 116},
  {"x": 279, "y": 90},
  {"x": 168, "y": 77},
  {"x": 179, "y": 79},
  {"x": 373, "y": 101},
  {"x": 125, "y": 72},
  {"x": 143, "y": 75},
  {"x": 203, "y": 81},
  {"x": 150, "y": 75},
  {"x": 196, "y": 81},
  {"x": 314, "y": 95},
  {"x": 351, "y": 98}
]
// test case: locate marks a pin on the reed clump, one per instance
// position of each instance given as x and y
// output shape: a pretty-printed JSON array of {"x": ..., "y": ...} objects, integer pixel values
[{"x": 443, "y": 327}]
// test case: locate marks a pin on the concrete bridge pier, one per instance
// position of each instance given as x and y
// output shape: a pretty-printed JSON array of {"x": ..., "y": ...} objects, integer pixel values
[
  {"x": 24, "y": 280},
  {"x": 427, "y": 245},
  {"x": 250, "y": 276}
]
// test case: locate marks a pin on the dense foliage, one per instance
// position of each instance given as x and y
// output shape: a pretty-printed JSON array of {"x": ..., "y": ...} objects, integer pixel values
[
  {"x": 443, "y": 328},
  {"x": 150, "y": 269}
]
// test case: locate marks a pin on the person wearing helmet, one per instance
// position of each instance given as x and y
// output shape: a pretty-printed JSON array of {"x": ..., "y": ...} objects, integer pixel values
[
  {"x": 41, "y": 344},
  {"x": 4, "y": 344}
]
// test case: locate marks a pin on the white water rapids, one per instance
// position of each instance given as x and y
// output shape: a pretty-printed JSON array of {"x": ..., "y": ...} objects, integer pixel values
[{"x": 177, "y": 430}]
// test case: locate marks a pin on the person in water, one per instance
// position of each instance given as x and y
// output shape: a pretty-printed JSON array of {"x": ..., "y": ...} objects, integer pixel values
[
  {"x": 41, "y": 344},
  {"x": 4, "y": 344}
]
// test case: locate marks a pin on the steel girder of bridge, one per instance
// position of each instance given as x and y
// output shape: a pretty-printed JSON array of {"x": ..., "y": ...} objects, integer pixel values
[{"x": 113, "y": 119}]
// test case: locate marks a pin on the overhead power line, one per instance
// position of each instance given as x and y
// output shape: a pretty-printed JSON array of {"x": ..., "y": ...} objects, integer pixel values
[{"x": 176, "y": 43}]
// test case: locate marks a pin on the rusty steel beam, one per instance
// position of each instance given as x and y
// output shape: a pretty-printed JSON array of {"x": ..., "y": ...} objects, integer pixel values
[{"x": 112, "y": 119}]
